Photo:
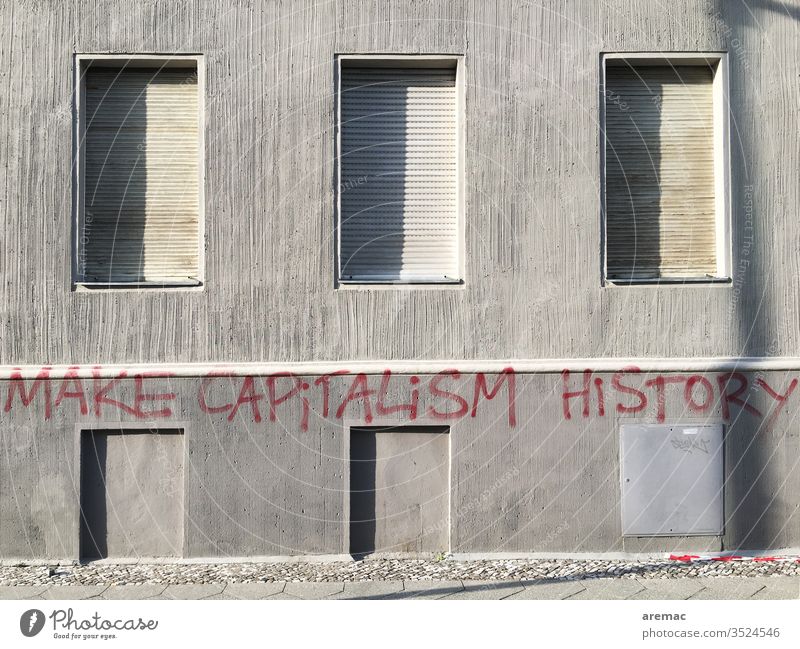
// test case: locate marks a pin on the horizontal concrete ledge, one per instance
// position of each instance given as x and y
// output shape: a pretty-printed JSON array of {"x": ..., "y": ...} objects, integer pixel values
[
  {"x": 456, "y": 556},
  {"x": 520, "y": 366},
  {"x": 158, "y": 561},
  {"x": 791, "y": 553}
]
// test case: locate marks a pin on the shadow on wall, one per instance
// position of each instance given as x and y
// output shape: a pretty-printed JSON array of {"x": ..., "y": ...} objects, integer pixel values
[
  {"x": 115, "y": 187},
  {"x": 94, "y": 509},
  {"x": 785, "y": 7},
  {"x": 762, "y": 473},
  {"x": 363, "y": 450},
  {"x": 374, "y": 159},
  {"x": 632, "y": 174}
]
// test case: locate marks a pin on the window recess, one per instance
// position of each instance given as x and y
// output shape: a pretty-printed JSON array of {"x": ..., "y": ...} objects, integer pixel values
[
  {"x": 140, "y": 193},
  {"x": 665, "y": 169},
  {"x": 399, "y": 165}
]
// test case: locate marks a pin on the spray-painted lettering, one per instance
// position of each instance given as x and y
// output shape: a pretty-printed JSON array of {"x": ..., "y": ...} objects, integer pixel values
[
  {"x": 359, "y": 397},
  {"x": 696, "y": 393}
]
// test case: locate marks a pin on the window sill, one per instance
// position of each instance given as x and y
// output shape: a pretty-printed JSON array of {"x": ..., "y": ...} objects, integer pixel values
[
  {"x": 87, "y": 287},
  {"x": 350, "y": 284},
  {"x": 670, "y": 281}
]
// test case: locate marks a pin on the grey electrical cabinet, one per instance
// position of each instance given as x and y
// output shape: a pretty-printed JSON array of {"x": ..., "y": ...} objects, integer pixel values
[{"x": 672, "y": 479}]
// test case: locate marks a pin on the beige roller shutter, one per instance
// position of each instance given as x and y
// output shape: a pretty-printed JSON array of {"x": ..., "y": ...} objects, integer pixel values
[
  {"x": 141, "y": 188},
  {"x": 660, "y": 190},
  {"x": 398, "y": 185}
]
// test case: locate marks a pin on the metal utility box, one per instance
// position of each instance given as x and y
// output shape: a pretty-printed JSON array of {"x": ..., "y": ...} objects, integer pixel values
[{"x": 672, "y": 479}]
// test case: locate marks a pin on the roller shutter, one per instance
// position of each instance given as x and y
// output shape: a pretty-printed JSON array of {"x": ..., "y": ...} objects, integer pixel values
[
  {"x": 398, "y": 184},
  {"x": 660, "y": 190},
  {"x": 141, "y": 189}
]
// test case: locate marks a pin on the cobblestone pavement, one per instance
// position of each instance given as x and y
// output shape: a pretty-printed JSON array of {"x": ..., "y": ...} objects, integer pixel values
[
  {"x": 388, "y": 570},
  {"x": 636, "y": 588}
]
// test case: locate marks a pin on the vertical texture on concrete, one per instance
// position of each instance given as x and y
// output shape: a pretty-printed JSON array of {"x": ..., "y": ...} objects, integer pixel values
[
  {"x": 531, "y": 184},
  {"x": 532, "y": 262},
  {"x": 262, "y": 487}
]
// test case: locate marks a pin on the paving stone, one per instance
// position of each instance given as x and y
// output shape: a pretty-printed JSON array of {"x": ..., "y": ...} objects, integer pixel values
[
  {"x": 430, "y": 589},
  {"x": 313, "y": 590},
  {"x": 779, "y": 588},
  {"x": 548, "y": 590},
  {"x": 133, "y": 591},
  {"x": 22, "y": 592},
  {"x": 488, "y": 590},
  {"x": 192, "y": 591},
  {"x": 728, "y": 588},
  {"x": 668, "y": 588},
  {"x": 73, "y": 592},
  {"x": 608, "y": 589},
  {"x": 250, "y": 591},
  {"x": 370, "y": 590}
]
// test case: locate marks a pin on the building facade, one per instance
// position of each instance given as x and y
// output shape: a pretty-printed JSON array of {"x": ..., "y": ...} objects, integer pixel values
[{"x": 327, "y": 277}]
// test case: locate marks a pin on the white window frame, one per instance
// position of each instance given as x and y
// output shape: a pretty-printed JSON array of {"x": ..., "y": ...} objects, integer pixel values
[
  {"x": 402, "y": 60},
  {"x": 722, "y": 184},
  {"x": 156, "y": 61}
]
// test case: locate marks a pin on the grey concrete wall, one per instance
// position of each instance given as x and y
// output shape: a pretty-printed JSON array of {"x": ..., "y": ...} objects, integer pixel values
[
  {"x": 526, "y": 478},
  {"x": 532, "y": 288},
  {"x": 531, "y": 184}
]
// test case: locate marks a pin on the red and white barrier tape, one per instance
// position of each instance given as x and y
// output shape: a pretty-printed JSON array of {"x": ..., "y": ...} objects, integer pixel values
[{"x": 690, "y": 558}]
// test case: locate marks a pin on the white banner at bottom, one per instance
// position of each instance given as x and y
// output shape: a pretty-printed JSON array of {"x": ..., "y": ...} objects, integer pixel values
[{"x": 389, "y": 624}]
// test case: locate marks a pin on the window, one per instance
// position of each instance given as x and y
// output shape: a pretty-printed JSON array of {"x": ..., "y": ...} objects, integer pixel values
[
  {"x": 665, "y": 168},
  {"x": 139, "y": 189},
  {"x": 399, "y": 165}
]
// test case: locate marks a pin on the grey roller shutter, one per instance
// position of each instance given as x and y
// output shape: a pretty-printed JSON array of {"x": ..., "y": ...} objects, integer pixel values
[
  {"x": 399, "y": 161},
  {"x": 141, "y": 186},
  {"x": 660, "y": 187}
]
